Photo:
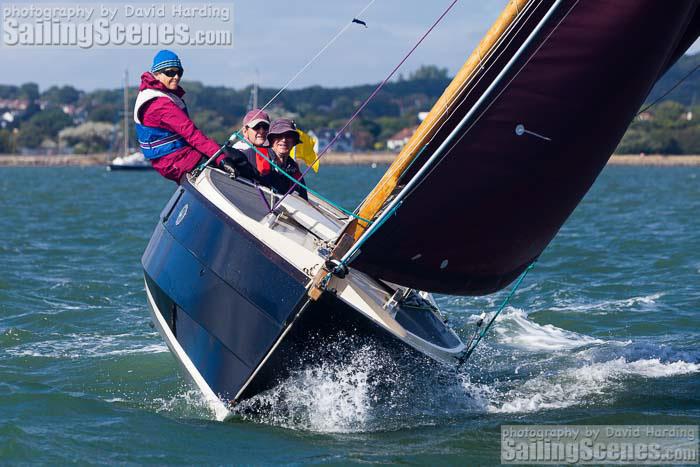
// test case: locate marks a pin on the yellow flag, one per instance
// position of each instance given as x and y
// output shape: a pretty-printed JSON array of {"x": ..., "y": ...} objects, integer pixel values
[{"x": 305, "y": 150}]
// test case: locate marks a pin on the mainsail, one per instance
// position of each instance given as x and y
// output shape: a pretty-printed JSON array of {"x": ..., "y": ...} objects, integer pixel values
[{"x": 506, "y": 155}]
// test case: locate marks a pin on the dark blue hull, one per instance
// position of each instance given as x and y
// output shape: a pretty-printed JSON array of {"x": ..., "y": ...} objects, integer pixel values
[{"x": 229, "y": 301}]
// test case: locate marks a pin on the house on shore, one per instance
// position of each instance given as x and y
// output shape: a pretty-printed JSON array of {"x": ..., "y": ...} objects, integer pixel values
[
  {"x": 399, "y": 140},
  {"x": 344, "y": 143}
]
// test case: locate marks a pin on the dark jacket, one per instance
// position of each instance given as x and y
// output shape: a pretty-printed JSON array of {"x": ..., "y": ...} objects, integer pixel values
[
  {"x": 282, "y": 184},
  {"x": 265, "y": 174}
]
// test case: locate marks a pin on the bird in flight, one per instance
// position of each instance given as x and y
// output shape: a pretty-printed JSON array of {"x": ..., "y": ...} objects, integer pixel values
[{"x": 359, "y": 21}]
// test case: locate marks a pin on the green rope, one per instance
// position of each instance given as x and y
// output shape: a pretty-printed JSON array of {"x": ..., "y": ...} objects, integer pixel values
[
  {"x": 483, "y": 332},
  {"x": 313, "y": 192}
]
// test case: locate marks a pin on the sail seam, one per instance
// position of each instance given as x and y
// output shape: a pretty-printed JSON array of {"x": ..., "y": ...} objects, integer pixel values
[
  {"x": 520, "y": 21},
  {"x": 469, "y": 81}
]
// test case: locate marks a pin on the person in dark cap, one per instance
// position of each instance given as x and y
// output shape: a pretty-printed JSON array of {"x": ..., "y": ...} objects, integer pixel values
[
  {"x": 281, "y": 137},
  {"x": 167, "y": 136}
]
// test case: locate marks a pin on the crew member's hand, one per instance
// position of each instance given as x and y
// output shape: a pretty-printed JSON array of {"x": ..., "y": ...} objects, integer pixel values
[{"x": 228, "y": 165}]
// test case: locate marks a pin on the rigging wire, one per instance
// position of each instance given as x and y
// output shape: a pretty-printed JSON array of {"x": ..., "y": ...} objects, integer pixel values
[
  {"x": 374, "y": 93},
  {"x": 318, "y": 54},
  {"x": 668, "y": 92},
  {"x": 474, "y": 342}
]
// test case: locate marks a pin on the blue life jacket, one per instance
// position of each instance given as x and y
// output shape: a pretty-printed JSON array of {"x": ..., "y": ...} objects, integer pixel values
[{"x": 157, "y": 142}]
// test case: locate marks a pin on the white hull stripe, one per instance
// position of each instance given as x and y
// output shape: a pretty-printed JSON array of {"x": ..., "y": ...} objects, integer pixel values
[{"x": 221, "y": 411}]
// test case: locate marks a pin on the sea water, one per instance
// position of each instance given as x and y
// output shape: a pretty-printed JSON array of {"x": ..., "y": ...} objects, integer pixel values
[{"x": 604, "y": 330}]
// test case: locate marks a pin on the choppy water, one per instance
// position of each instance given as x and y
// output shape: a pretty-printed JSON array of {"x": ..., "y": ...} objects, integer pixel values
[{"x": 604, "y": 330}]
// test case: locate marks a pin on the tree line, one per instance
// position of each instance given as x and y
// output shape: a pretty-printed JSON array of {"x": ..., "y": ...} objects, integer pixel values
[{"x": 64, "y": 118}]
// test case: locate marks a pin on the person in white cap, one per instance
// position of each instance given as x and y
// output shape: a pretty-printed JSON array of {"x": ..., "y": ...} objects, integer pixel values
[{"x": 256, "y": 124}]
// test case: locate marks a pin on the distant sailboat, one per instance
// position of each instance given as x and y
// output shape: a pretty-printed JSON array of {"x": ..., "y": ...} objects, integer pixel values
[
  {"x": 128, "y": 161},
  {"x": 133, "y": 161},
  {"x": 243, "y": 293}
]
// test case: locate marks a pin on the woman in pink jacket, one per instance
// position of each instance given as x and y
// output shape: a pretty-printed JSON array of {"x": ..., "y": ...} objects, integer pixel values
[{"x": 167, "y": 136}]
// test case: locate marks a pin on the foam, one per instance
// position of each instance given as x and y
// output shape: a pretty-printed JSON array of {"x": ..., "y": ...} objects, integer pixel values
[
  {"x": 76, "y": 346},
  {"x": 515, "y": 329},
  {"x": 368, "y": 392},
  {"x": 188, "y": 403},
  {"x": 578, "y": 386},
  {"x": 331, "y": 397},
  {"x": 611, "y": 305}
]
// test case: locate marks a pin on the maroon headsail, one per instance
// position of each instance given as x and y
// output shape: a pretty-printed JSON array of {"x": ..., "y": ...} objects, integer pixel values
[{"x": 532, "y": 132}]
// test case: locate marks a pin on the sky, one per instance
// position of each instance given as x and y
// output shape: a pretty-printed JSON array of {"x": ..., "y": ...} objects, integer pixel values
[{"x": 274, "y": 39}]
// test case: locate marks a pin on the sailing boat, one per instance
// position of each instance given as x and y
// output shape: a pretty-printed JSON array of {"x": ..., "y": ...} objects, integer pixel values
[
  {"x": 242, "y": 293},
  {"x": 135, "y": 160}
]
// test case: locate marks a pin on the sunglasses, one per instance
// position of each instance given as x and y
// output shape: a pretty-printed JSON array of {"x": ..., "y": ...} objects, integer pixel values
[
  {"x": 261, "y": 126},
  {"x": 288, "y": 135},
  {"x": 172, "y": 72}
]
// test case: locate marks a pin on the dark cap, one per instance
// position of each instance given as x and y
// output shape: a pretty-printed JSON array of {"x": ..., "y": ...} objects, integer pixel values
[{"x": 281, "y": 126}]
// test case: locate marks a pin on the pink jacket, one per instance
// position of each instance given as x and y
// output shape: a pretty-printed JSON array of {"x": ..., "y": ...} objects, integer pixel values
[{"x": 161, "y": 112}]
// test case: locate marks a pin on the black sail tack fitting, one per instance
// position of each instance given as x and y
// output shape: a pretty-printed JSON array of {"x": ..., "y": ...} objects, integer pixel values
[{"x": 337, "y": 268}]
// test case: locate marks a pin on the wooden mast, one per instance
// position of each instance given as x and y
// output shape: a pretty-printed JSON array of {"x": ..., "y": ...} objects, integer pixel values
[{"x": 377, "y": 197}]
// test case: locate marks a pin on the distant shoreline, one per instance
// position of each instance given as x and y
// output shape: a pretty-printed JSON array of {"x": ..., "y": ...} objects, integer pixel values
[
  {"x": 689, "y": 160},
  {"x": 379, "y": 158}
]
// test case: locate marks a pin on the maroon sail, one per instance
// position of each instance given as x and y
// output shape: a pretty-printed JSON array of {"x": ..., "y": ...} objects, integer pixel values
[{"x": 510, "y": 164}]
